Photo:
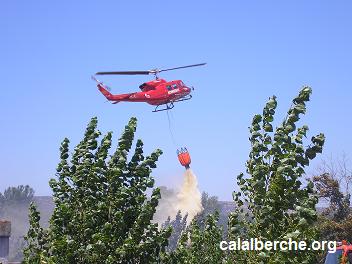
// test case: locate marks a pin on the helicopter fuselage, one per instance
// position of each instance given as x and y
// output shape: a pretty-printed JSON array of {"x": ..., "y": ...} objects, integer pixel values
[{"x": 155, "y": 92}]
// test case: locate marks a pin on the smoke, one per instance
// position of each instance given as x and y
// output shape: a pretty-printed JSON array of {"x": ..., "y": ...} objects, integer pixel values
[{"x": 187, "y": 199}]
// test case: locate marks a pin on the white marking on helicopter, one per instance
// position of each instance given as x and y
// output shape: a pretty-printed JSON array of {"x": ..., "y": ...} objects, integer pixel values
[{"x": 173, "y": 91}]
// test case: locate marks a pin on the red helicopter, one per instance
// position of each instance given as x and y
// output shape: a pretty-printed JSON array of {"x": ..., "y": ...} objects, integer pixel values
[{"x": 157, "y": 92}]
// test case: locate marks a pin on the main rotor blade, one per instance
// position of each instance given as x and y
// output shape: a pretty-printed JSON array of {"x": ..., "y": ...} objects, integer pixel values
[
  {"x": 170, "y": 69},
  {"x": 154, "y": 71},
  {"x": 124, "y": 73}
]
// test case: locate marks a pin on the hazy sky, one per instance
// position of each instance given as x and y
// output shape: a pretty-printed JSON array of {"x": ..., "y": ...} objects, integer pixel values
[{"x": 254, "y": 49}]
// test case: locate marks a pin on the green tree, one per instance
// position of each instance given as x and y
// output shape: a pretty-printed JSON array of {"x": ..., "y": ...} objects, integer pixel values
[
  {"x": 36, "y": 250},
  {"x": 178, "y": 225},
  {"x": 102, "y": 212},
  {"x": 335, "y": 221},
  {"x": 339, "y": 203},
  {"x": 210, "y": 205},
  {"x": 272, "y": 203},
  {"x": 20, "y": 194},
  {"x": 199, "y": 244}
]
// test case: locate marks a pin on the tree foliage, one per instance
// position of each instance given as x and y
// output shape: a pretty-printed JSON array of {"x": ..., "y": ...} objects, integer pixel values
[
  {"x": 339, "y": 203},
  {"x": 210, "y": 205},
  {"x": 178, "y": 226},
  {"x": 15, "y": 196},
  {"x": 199, "y": 245},
  {"x": 102, "y": 212},
  {"x": 272, "y": 202},
  {"x": 335, "y": 222},
  {"x": 36, "y": 250},
  {"x": 21, "y": 193}
]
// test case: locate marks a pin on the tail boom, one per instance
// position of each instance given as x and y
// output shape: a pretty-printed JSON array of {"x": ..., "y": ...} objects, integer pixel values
[{"x": 116, "y": 98}]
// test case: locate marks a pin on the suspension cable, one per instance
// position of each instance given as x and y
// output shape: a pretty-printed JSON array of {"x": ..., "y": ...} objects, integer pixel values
[{"x": 170, "y": 128}]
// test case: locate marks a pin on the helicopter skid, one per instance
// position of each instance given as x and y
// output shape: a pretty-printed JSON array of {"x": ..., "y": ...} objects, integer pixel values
[
  {"x": 168, "y": 107},
  {"x": 189, "y": 97},
  {"x": 171, "y": 104}
]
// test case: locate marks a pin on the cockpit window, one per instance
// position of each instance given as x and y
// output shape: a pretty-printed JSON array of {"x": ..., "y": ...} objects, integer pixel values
[
  {"x": 168, "y": 87},
  {"x": 174, "y": 86}
]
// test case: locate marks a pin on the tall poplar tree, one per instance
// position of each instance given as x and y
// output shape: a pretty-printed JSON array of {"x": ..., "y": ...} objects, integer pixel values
[
  {"x": 102, "y": 212},
  {"x": 273, "y": 201}
]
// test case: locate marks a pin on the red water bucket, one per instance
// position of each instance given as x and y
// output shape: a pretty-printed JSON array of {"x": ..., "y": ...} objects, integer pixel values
[{"x": 184, "y": 157}]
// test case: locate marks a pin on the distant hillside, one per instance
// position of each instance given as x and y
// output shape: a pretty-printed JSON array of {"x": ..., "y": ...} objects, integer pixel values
[{"x": 226, "y": 207}]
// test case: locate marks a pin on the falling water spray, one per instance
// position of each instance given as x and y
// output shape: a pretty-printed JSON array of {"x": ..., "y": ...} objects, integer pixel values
[{"x": 189, "y": 198}]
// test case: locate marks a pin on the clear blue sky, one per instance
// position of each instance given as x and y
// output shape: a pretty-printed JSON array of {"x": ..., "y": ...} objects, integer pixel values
[{"x": 254, "y": 49}]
